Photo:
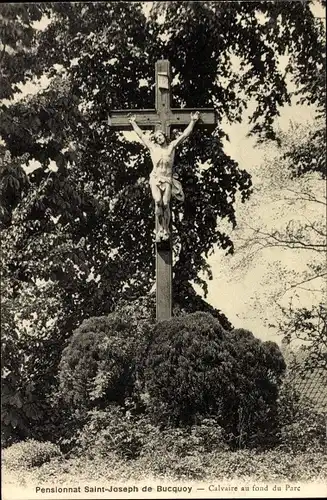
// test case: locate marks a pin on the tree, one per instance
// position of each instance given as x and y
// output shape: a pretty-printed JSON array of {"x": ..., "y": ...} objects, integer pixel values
[
  {"x": 75, "y": 221},
  {"x": 17, "y": 43},
  {"x": 309, "y": 326},
  {"x": 107, "y": 55},
  {"x": 290, "y": 239}
]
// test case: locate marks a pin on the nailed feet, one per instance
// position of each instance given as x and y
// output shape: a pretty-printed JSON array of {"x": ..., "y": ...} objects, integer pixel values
[{"x": 162, "y": 235}]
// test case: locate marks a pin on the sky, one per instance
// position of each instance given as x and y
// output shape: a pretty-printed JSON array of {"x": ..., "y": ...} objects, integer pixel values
[{"x": 234, "y": 295}]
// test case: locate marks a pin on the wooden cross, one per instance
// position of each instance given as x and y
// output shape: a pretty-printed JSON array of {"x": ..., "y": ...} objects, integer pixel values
[{"x": 163, "y": 117}]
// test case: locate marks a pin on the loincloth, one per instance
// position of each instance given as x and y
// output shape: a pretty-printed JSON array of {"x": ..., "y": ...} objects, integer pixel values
[{"x": 160, "y": 182}]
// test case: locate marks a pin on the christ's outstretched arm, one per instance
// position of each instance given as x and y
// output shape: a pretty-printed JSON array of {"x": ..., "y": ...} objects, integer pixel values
[
  {"x": 147, "y": 142},
  {"x": 187, "y": 132}
]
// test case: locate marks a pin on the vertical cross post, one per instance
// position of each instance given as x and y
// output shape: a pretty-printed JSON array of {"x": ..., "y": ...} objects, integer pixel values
[{"x": 164, "y": 259}]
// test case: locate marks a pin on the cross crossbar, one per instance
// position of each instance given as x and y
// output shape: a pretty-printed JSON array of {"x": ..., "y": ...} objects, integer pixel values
[
  {"x": 149, "y": 118},
  {"x": 145, "y": 118},
  {"x": 182, "y": 116}
]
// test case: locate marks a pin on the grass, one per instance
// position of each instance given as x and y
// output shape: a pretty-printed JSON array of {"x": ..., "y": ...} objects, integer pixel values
[{"x": 242, "y": 465}]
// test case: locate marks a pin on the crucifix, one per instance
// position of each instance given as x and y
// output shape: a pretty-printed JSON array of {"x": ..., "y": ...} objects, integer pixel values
[{"x": 162, "y": 182}]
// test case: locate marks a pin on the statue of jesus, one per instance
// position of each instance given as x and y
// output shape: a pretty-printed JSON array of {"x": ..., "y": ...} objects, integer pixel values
[{"x": 163, "y": 184}]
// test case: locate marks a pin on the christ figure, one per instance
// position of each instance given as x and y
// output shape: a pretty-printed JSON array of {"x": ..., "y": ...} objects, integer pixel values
[{"x": 162, "y": 182}]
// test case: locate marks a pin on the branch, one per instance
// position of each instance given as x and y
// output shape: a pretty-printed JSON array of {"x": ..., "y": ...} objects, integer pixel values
[
  {"x": 309, "y": 289},
  {"x": 307, "y": 196},
  {"x": 279, "y": 241},
  {"x": 312, "y": 226},
  {"x": 306, "y": 280}
]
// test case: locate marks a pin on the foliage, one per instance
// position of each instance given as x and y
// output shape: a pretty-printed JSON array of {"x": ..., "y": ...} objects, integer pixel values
[
  {"x": 309, "y": 153},
  {"x": 99, "y": 364},
  {"x": 139, "y": 310},
  {"x": 211, "y": 373},
  {"x": 73, "y": 209},
  {"x": 242, "y": 464},
  {"x": 13, "y": 184},
  {"x": 29, "y": 359},
  {"x": 302, "y": 428},
  {"x": 206, "y": 436},
  {"x": 195, "y": 368},
  {"x": 109, "y": 431},
  {"x": 30, "y": 453},
  {"x": 298, "y": 177},
  {"x": 185, "y": 300},
  {"x": 17, "y": 43},
  {"x": 117, "y": 430},
  {"x": 309, "y": 326}
]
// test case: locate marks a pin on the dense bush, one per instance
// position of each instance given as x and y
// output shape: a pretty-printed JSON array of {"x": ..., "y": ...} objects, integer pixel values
[
  {"x": 127, "y": 435},
  {"x": 174, "y": 374},
  {"x": 108, "y": 431},
  {"x": 302, "y": 427},
  {"x": 99, "y": 365},
  {"x": 204, "y": 437},
  {"x": 30, "y": 453},
  {"x": 195, "y": 368}
]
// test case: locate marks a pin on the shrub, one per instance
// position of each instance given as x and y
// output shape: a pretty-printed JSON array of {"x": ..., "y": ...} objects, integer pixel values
[
  {"x": 129, "y": 436},
  {"x": 112, "y": 430},
  {"x": 195, "y": 369},
  {"x": 204, "y": 437},
  {"x": 30, "y": 453},
  {"x": 99, "y": 364},
  {"x": 302, "y": 428}
]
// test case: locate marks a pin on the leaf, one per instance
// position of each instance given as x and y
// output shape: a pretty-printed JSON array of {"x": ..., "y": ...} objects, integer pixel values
[{"x": 16, "y": 400}]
